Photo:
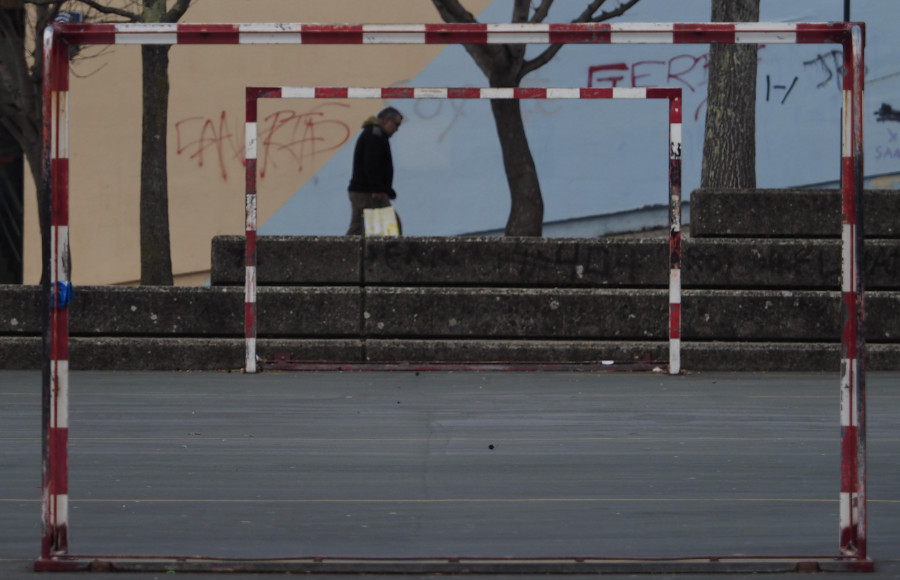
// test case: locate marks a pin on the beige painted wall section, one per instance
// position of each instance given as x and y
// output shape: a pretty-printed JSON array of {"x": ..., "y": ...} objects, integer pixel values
[{"x": 206, "y": 131}]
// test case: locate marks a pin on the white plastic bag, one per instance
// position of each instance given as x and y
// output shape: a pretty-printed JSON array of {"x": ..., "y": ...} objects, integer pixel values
[{"x": 381, "y": 221}]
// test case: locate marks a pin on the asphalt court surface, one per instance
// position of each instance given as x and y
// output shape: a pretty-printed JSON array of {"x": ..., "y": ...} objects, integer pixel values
[{"x": 439, "y": 464}]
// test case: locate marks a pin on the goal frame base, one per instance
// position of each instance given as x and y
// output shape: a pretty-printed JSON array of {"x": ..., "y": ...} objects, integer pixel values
[{"x": 454, "y": 565}]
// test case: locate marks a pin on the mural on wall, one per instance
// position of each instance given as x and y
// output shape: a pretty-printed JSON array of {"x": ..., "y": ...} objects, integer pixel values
[{"x": 594, "y": 158}]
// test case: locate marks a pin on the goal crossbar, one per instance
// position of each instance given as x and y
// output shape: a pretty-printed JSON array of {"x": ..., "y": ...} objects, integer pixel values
[
  {"x": 253, "y": 94},
  {"x": 54, "y": 193}
]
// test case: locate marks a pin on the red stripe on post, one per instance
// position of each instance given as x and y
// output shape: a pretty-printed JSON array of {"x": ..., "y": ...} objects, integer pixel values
[
  {"x": 256, "y": 93},
  {"x": 463, "y": 93},
  {"x": 456, "y": 33},
  {"x": 596, "y": 93},
  {"x": 59, "y": 346},
  {"x": 251, "y": 245},
  {"x": 250, "y": 184},
  {"x": 58, "y": 440},
  {"x": 59, "y": 73},
  {"x": 208, "y": 34},
  {"x": 849, "y": 346},
  {"x": 848, "y": 197},
  {"x": 849, "y": 452},
  {"x": 59, "y": 210},
  {"x": 661, "y": 92},
  {"x": 250, "y": 319},
  {"x": 675, "y": 245},
  {"x": 580, "y": 33},
  {"x": 529, "y": 93},
  {"x": 849, "y": 536},
  {"x": 83, "y": 33},
  {"x": 331, "y": 93},
  {"x": 332, "y": 34},
  {"x": 719, "y": 33},
  {"x": 675, "y": 110},
  {"x": 829, "y": 32},
  {"x": 675, "y": 320},
  {"x": 849, "y": 66},
  {"x": 398, "y": 92}
]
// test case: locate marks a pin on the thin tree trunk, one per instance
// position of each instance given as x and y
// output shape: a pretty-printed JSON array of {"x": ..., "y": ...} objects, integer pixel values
[
  {"x": 156, "y": 259},
  {"x": 729, "y": 148},
  {"x": 526, "y": 216}
]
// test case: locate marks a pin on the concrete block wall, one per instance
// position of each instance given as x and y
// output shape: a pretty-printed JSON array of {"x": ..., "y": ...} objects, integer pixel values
[{"x": 757, "y": 296}]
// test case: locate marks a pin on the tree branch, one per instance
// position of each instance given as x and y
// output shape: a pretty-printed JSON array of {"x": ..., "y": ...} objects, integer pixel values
[
  {"x": 102, "y": 8},
  {"x": 521, "y": 9},
  {"x": 541, "y": 11},
  {"x": 586, "y": 16},
  {"x": 176, "y": 12},
  {"x": 617, "y": 11},
  {"x": 453, "y": 11},
  {"x": 483, "y": 54}
]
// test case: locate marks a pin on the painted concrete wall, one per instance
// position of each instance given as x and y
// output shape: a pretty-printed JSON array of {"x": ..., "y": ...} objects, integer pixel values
[
  {"x": 593, "y": 157},
  {"x": 206, "y": 131}
]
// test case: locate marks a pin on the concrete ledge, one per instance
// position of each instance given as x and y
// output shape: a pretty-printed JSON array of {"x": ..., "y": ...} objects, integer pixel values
[
  {"x": 288, "y": 260},
  {"x": 783, "y": 263},
  {"x": 534, "y": 263},
  {"x": 165, "y": 354},
  {"x": 445, "y": 261},
  {"x": 528, "y": 262},
  {"x": 308, "y": 312},
  {"x": 516, "y": 313},
  {"x": 521, "y": 351},
  {"x": 773, "y": 356},
  {"x": 21, "y": 311},
  {"x": 188, "y": 311},
  {"x": 810, "y": 213},
  {"x": 758, "y": 315},
  {"x": 429, "y": 312}
]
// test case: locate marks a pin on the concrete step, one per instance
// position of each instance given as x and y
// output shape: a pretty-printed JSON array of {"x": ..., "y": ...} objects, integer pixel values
[
  {"x": 804, "y": 213},
  {"x": 571, "y": 263},
  {"x": 431, "y": 312},
  {"x": 448, "y": 261},
  {"x": 227, "y": 354}
]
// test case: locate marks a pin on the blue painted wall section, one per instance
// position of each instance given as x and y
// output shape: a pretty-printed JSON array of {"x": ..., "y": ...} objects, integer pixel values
[{"x": 602, "y": 157}]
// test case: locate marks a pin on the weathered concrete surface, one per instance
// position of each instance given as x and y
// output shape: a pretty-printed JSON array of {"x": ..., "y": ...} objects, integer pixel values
[
  {"x": 281, "y": 261},
  {"x": 530, "y": 262},
  {"x": 516, "y": 313},
  {"x": 228, "y": 354},
  {"x": 783, "y": 263},
  {"x": 751, "y": 303},
  {"x": 576, "y": 263},
  {"x": 785, "y": 315},
  {"x": 461, "y": 261},
  {"x": 187, "y": 311},
  {"x": 516, "y": 351},
  {"x": 810, "y": 213},
  {"x": 160, "y": 353}
]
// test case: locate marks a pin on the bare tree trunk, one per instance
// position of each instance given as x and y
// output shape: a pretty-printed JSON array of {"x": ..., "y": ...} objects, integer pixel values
[
  {"x": 729, "y": 148},
  {"x": 526, "y": 216},
  {"x": 21, "y": 108},
  {"x": 156, "y": 258}
]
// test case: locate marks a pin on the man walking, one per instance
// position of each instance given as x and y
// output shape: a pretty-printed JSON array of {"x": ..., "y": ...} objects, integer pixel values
[{"x": 373, "y": 167}]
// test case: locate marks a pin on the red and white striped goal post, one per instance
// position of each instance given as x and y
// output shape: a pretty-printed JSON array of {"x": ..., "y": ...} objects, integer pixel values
[
  {"x": 54, "y": 191},
  {"x": 673, "y": 95}
]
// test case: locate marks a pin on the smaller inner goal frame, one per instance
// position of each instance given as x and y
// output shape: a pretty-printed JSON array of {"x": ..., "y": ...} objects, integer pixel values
[
  {"x": 672, "y": 94},
  {"x": 59, "y": 38}
]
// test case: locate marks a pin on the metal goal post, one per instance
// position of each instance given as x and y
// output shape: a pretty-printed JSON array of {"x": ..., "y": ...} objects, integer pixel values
[
  {"x": 253, "y": 94},
  {"x": 54, "y": 192}
]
